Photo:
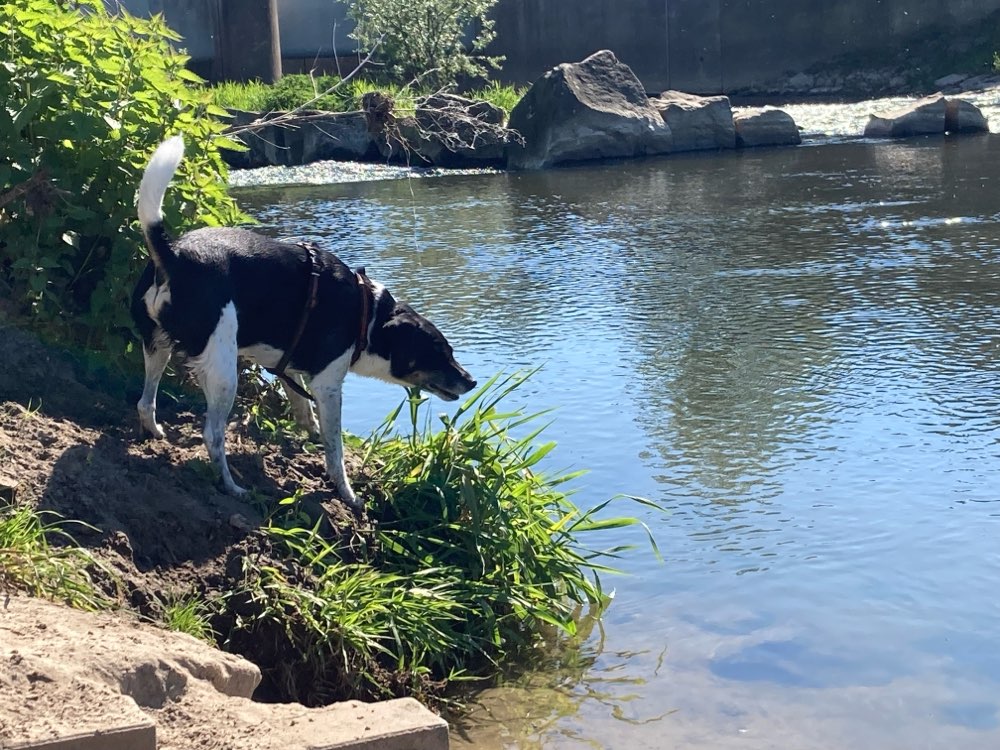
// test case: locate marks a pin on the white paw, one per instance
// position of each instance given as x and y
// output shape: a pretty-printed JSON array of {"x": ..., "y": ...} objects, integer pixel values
[
  {"x": 234, "y": 489},
  {"x": 349, "y": 498},
  {"x": 153, "y": 429}
]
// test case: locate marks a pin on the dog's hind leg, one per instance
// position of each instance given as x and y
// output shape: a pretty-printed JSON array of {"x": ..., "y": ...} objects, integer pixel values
[
  {"x": 216, "y": 370},
  {"x": 327, "y": 387},
  {"x": 155, "y": 356},
  {"x": 302, "y": 410}
]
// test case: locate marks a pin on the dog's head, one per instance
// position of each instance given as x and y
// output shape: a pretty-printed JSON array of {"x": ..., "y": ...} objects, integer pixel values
[{"x": 418, "y": 354}]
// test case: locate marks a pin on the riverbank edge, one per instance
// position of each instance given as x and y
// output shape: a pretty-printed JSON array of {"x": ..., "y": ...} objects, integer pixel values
[{"x": 363, "y": 166}]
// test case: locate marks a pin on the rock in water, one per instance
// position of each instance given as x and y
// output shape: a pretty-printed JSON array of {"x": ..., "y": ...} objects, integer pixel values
[
  {"x": 697, "y": 122},
  {"x": 594, "y": 109},
  {"x": 766, "y": 127}
]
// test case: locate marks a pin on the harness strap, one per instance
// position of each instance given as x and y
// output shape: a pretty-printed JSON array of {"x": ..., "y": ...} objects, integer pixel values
[
  {"x": 364, "y": 286},
  {"x": 279, "y": 369}
]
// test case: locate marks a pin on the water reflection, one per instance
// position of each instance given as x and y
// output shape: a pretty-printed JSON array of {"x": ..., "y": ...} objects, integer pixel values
[{"x": 796, "y": 352}]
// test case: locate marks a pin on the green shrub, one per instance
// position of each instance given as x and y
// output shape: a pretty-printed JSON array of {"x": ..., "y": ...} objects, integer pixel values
[
  {"x": 295, "y": 90},
  {"x": 477, "y": 556},
  {"x": 425, "y": 39},
  {"x": 87, "y": 96}
]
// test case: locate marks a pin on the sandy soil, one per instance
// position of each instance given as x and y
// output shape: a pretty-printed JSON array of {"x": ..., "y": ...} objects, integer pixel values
[{"x": 65, "y": 673}]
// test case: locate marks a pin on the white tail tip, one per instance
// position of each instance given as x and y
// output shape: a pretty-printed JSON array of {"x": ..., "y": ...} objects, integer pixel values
[{"x": 156, "y": 178}]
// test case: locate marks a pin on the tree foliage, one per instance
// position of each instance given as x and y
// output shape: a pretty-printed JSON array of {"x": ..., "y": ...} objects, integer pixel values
[
  {"x": 426, "y": 39},
  {"x": 86, "y": 96}
]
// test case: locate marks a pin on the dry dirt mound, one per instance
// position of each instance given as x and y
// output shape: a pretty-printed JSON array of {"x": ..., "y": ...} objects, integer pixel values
[{"x": 153, "y": 508}]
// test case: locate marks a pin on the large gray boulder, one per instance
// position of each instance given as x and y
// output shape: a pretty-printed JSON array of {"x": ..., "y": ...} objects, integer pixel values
[
  {"x": 594, "y": 109},
  {"x": 922, "y": 117},
  {"x": 765, "y": 127},
  {"x": 928, "y": 116},
  {"x": 961, "y": 116},
  {"x": 697, "y": 122}
]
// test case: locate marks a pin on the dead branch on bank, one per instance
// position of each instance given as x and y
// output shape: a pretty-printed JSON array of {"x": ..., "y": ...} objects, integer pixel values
[{"x": 440, "y": 119}]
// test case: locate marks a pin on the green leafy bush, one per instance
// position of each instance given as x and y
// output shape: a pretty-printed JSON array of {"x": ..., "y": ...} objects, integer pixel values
[
  {"x": 425, "y": 39},
  {"x": 477, "y": 556},
  {"x": 86, "y": 97}
]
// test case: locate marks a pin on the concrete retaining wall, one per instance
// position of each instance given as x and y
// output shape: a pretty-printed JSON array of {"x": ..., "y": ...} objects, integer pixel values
[
  {"x": 713, "y": 46},
  {"x": 700, "y": 46}
]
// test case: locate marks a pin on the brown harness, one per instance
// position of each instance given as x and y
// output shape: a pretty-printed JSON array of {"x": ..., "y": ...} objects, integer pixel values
[
  {"x": 361, "y": 341},
  {"x": 365, "y": 287}
]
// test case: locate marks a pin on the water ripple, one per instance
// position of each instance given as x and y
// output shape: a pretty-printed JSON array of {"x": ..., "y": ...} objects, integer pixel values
[{"x": 796, "y": 353}]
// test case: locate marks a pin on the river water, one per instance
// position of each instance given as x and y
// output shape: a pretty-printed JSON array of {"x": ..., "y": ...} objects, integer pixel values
[{"x": 796, "y": 352}]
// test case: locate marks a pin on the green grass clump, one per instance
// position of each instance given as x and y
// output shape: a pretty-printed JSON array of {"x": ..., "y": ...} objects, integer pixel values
[
  {"x": 297, "y": 90},
  {"x": 476, "y": 555},
  {"x": 30, "y": 563},
  {"x": 250, "y": 96},
  {"x": 189, "y": 614},
  {"x": 499, "y": 95},
  {"x": 290, "y": 91}
]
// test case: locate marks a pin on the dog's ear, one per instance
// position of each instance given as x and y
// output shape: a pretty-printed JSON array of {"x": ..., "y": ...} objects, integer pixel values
[{"x": 360, "y": 271}]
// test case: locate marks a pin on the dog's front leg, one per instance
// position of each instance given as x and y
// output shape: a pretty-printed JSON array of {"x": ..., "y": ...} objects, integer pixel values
[{"x": 327, "y": 387}]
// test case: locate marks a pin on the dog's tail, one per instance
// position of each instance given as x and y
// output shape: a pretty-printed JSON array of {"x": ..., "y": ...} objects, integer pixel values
[{"x": 153, "y": 187}]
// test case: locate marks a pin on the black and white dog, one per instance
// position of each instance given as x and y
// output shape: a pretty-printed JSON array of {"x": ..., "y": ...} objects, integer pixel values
[{"x": 218, "y": 293}]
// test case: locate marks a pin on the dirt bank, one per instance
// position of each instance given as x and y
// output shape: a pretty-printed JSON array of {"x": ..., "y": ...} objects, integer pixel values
[{"x": 151, "y": 511}]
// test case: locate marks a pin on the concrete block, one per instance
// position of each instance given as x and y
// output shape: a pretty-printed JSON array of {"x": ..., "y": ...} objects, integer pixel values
[
  {"x": 140, "y": 736},
  {"x": 400, "y": 724}
]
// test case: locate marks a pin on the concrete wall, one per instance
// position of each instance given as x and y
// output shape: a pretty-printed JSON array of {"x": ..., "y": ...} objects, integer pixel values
[
  {"x": 764, "y": 38},
  {"x": 701, "y": 46},
  {"x": 195, "y": 20},
  {"x": 712, "y": 46},
  {"x": 315, "y": 28}
]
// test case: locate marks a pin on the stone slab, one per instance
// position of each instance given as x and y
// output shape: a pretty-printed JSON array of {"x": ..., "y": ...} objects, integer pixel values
[
  {"x": 400, "y": 724},
  {"x": 135, "y": 737}
]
